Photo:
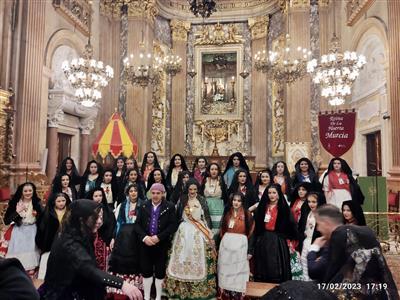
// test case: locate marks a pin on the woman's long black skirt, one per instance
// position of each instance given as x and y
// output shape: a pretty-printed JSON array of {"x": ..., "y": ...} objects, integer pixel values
[{"x": 272, "y": 258}]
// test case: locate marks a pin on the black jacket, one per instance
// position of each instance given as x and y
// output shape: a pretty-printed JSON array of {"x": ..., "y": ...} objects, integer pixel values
[
  {"x": 72, "y": 271},
  {"x": 167, "y": 224},
  {"x": 47, "y": 228},
  {"x": 317, "y": 263},
  {"x": 15, "y": 284}
]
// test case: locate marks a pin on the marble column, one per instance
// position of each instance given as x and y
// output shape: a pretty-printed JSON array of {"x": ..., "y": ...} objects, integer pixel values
[
  {"x": 298, "y": 129},
  {"x": 139, "y": 99},
  {"x": 394, "y": 87},
  {"x": 179, "y": 30},
  {"x": 259, "y": 30},
  {"x": 28, "y": 94}
]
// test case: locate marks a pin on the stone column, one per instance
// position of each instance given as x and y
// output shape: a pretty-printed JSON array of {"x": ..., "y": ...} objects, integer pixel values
[
  {"x": 28, "y": 94},
  {"x": 55, "y": 115},
  {"x": 394, "y": 87},
  {"x": 139, "y": 99},
  {"x": 86, "y": 127},
  {"x": 298, "y": 129},
  {"x": 325, "y": 36},
  {"x": 259, "y": 30},
  {"x": 52, "y": 146},
  {"x": 179, "y": 30}
]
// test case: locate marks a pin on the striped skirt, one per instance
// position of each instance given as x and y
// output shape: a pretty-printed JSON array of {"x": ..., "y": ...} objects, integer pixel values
[{"x": 216, "y": 209}]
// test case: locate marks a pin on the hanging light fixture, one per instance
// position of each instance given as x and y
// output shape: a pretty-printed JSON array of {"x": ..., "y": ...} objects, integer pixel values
[
  {"x": 287, "y": 64},
  {"x": 336, "y": 72},
  {"x": 87, "y": 76},
  {"x": 143, "y": 71},
  {"x": 172, "y": 64},
  {"x": 203, "y": 8}
]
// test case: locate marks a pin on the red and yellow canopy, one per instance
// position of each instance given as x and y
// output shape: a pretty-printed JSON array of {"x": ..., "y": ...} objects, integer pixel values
[{"x": 115, "y": 139}]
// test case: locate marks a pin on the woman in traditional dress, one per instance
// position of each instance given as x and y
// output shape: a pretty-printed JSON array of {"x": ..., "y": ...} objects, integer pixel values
[
  {"x": 214, "y": 190},
  {"x": 353, "y": 213},
  {"x": 23, "y": 211},
  {"x": 200, "y": 169},
  {"x": 63, "y": 184},
  {"x": 242, "y": 183},
  {"x": 280, "y": 173},
  {"x": 235, "y": 249},
  {"x": 133, "y": 176},
  {"x": 131, "y": 163},
  {"x": 106, "y": 231},
  {"x": 180, "y": 187},
  {"x": 91, "y": 179},
  {"x": 71, "y": 271},
  {"x": 297, "y": 207},
  {"x": 236, "y": 161},
  {"x": 305, "y": 172},
  {"x": 120, "y": 171},
  {"x": 157, "y": 176},
  {"x": 339, "y": 184},
  {"x": 68, "y": 167},
  {"x": 264, "y": 178},
  {"x": 307, "y": 228},
  {"x": 150, "y": 162},
  {"x": 109, "y": 187},
  {"x": 48, "y": 225},
  {"x": 274, "y": 225},
  {"x": 192, "y": 267},
  {"x": 176, "y": 165},
  {"x": 124, "y": 259}
]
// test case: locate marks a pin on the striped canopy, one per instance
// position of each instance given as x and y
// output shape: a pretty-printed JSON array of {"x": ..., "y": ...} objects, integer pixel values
[{"x": 115, "y": 139}]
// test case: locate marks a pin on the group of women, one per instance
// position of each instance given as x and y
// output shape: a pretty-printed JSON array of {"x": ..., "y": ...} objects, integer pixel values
[{"x": 228, "y": 226}]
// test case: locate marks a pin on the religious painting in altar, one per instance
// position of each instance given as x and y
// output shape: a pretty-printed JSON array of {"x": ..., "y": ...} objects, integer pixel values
[
  {"x": 219, "y": 88},
  {"x": 218, "y": 91}
]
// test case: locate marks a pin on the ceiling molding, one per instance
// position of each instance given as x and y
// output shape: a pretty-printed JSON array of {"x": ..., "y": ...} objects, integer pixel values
[{"x": 227, "y": 10}]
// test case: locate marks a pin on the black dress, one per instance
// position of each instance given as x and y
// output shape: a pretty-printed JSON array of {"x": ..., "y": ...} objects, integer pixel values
[
  {"x": 125, "y": 256},
  {"x": 47, "y": 227}
]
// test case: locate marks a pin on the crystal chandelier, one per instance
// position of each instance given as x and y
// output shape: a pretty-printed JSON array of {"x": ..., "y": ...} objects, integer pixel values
[
  {"x": 203, "y": 8},
  {"x": 87, "y": 76},
  {"x": 287, "y": 64},
  {"x": 336, "y": 72}
]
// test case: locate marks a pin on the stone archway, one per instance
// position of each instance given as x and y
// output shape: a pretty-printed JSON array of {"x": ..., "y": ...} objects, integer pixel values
[{"x": 369, "y": 96}]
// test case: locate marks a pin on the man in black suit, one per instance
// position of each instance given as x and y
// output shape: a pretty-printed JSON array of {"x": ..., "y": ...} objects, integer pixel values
[{"x": 156, "y": 225}]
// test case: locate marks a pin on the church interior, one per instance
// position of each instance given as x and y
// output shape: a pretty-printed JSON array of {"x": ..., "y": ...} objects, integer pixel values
[{"x": 276, "y": 80}]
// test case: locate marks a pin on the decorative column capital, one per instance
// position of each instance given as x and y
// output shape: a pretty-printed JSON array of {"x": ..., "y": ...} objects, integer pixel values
[
  {"x": 86, "y": 125},
  {"x": 258, "y": 27},
  {"x": 179, "y": 30}
]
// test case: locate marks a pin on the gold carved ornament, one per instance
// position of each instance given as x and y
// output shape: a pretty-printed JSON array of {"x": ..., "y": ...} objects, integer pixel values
[
  {"x": 179, "y": 30},
  {"x": 77, "y": 12},
  {"x": 134, "y": 8},
  {"x": 258, "y": 27},
  {"x": 6, "y": 136},
  {"x": 218, "y": 131},
  {"x": 218, "y": 34},
  {"x": 355, "y": 9}
]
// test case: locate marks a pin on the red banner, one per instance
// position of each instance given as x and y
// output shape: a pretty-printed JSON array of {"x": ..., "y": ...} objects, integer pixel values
[{"x": 337, "y": 131}]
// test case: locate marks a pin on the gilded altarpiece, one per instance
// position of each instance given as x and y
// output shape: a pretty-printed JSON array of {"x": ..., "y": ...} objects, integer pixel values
[{"x": 218, "y": 59}]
